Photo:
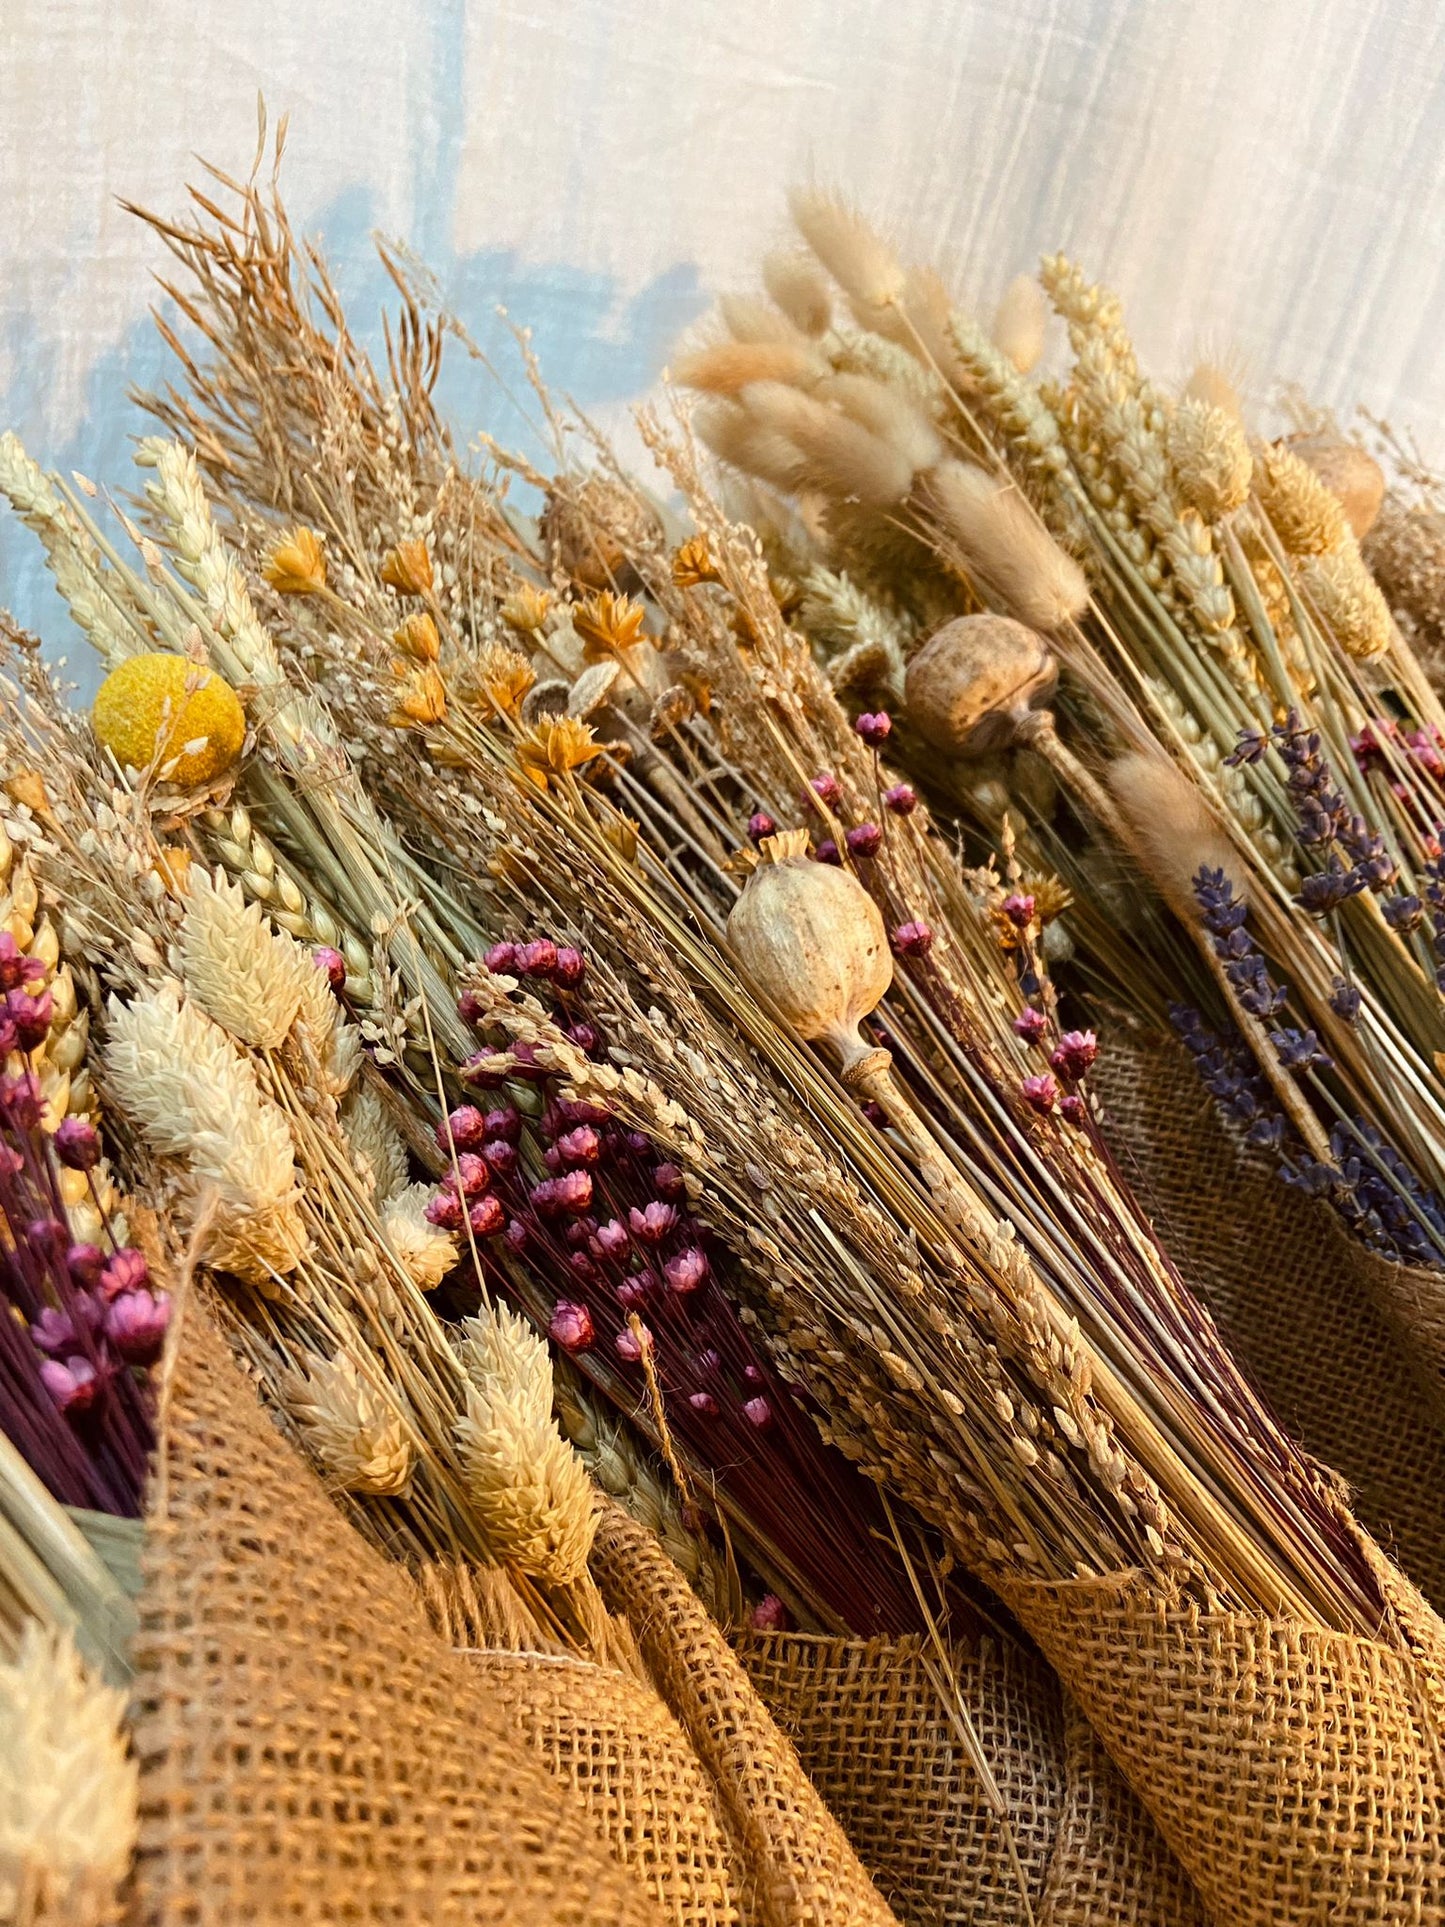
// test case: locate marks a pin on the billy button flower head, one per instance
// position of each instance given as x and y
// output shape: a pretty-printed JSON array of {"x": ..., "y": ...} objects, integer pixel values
[
  {"x": 608, "y": 625},
  {"x": 407, "y": 569},
  {"x": 166, "y": 712},
  {"x": 297, "y": 564}
]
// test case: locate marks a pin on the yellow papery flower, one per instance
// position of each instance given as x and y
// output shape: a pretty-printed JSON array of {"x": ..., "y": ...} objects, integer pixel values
[
  {"x": 421, "y": 698},
  {"x": 297, "y": 564},
  {"x": 407, "y": 568},
  {"x": 417, "y": 637},
  {"x": 607, "y": 624},
  {"x": 693, "y": 563},
  {"x": 555, "y": 745},
  {"x": 496, "y": 679},
  {"x": 526, "y": 609}
]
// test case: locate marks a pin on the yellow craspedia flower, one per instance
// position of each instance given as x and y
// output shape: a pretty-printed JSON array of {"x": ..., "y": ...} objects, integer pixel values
[{"x": 169, "y": 711}]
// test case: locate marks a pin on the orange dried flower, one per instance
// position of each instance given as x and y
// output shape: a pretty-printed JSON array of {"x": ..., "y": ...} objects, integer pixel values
[
  {"x": 526, "y": 609},
  {"x": 407, "y": 568},
  {"x": 297, "y": 564},
  {"x": 497, "y": 678},
  {"x": 555, "y": 745},
  {"x": 693, "y": 563},
  {"x": 417, "y": 637},
  {"x": 608, "y": 625},
  {"x": 421, "y": 698}
]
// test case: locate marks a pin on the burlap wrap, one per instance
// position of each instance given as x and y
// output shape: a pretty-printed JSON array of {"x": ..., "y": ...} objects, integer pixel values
[
  {"x": 1301, "y": 1303},
  {"x": 310, "y": 1751},
  {"x": 870, "y": 1727},
  {"x": 1298, "y": 1774},
  {"x": 803, "y": 1871}
]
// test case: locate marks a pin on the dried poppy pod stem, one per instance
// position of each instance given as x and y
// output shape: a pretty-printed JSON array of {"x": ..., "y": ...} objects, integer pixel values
[
  {"x": 812, "y": 940},
  {"x": 972, "y": 688}
]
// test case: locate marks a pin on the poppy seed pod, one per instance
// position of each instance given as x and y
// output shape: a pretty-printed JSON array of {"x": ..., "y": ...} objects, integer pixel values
[
  {"x": 813, "y": 941},
  {"x": 971, "y": 685}
]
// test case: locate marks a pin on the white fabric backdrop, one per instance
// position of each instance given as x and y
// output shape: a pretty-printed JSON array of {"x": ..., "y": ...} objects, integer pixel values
[{"x": 1261, "y": 176}]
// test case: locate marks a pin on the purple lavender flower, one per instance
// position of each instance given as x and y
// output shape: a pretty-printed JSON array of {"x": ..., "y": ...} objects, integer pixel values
[
  {"x": 1019, "y": 908},
  {"x": 570, "y": 967},
  {"x": 30, "y": 1017},
  {"x": 15, "y": 967},
  {"x": 516, "y": 1236},
  {"x": 471, "y": 1008},
  {"x": 538, "y": 958},
  {"x": 667, "y": 1181},
  {"x": 826, "y": 788},
  {"x": 875, "y": 728},
  {"x": 865, "y": 839},
  {"x": 708, "y": 1362},
  {"x": 901, "y": 799},
  {"x": 1249, "y": 748},
  {"x": 501, "y": 959},
  {"x": 611, "y": 1239},
  {"x": 827, "y": 852},
  {"x": 584, "y": 1036},
  {"x": 759, "y": 1413},
  {"x": 1345, "y": 1000},
  {"x": 1073, "y": 1109},
  {"x": 1403, "y": 913},
  {"x": 501, "y": 1157},
  {"x": 1030, "y": 1024},
  {"x": 761, "y": 825},
  {"x": 21, "y": 1104},
  {"x": 703, "y": 1403},
  {"x": 635, "y": 1291},
  {"x": 1299, "y": 1050},
  {"x": 86, "y": 1265},
  {"x": 770, "y": 1615}
]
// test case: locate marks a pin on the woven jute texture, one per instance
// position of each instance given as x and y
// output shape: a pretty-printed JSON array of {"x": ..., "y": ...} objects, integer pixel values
[
  {"x": 1297, "y": 1773},
  {"x": 801, "y": 1869},
  {"x": 614, "y": 1744},
  {"x": 871, "y": 1727},
  {"x": 1299, "y": 1301},
  {"x": 310, "y": 1751}
]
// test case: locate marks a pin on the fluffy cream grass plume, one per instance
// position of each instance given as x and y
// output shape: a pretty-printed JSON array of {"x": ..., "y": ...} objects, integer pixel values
[
  {"x": 68, "y": 1787},
  {"x": 745, "y": 442},
  {"x": 351, "y": 1426},
  {"x": 838, "y": 455},
  {"x": 800, "y": 288},
  {"x": 1005, "y": 547},
  {"x": 885, "y": 413},
  {"x": 195, "y": 1098},
  {"x": 859, "y": 260},
  {"x": 1209, "y": 453},
  {"x": 248, "y": 978},
  {"x": 1170, "y": 828},
  {"x": 376, "y": 1146},
  {"x": 426, "y": 1252},
  {"x": 1021, "y": 322},
  {"x": 530, "y": 1490},
  {"x": 728, "y": 366},
  {"x": 747, "y": 317}
]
